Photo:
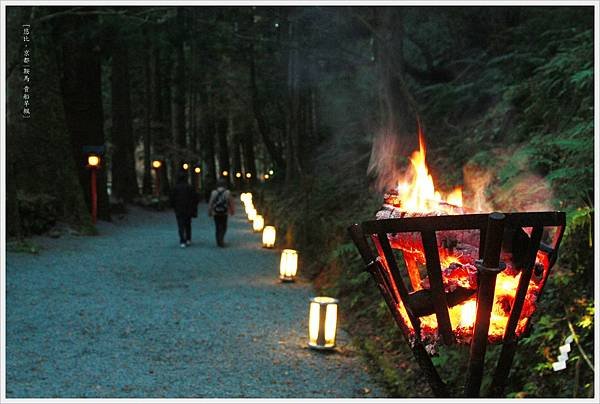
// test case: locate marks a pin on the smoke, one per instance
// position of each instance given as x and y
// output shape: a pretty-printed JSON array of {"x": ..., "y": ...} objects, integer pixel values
[
  {"x": 476, "y": 180},
  {"x": 388, "y": 160},
  {"x": 525, "y": 191}
]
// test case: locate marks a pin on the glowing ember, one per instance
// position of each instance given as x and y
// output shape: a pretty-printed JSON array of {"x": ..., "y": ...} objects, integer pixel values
[{"x": 416, "y": 195}]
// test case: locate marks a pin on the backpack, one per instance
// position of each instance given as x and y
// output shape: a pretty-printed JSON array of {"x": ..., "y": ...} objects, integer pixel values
[{"x": 220, "y": 205}]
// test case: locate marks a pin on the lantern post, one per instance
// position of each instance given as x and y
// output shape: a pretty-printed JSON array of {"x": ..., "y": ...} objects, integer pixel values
[
  {"x": 93, "y": 164},
  {"x": 258, "y": 224},
  {"x": 322, "y": 322},
  {"x": 288, "y": 266},
  {"x": 268, "y": 237},
  {"x": 198, "y": 171},
  {"x": 156, "y": 165}
]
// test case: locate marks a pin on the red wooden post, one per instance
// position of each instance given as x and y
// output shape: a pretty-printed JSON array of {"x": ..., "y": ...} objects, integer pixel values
[
  {"x": 157, "y": 185},
  {"x": 94, "y": 195}
]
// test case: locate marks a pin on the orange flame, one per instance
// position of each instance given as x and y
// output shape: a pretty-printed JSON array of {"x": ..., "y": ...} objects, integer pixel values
[{"x": 417, "y": 191}]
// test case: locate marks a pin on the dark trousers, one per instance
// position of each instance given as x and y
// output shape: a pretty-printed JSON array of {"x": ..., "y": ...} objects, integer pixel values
[
  {"x": 184, "y": 225},
  {"x": 220, "y": 229}
]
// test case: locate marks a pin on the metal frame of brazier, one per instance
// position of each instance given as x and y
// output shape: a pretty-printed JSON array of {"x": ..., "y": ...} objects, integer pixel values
[{"x": 491, "y": 227}]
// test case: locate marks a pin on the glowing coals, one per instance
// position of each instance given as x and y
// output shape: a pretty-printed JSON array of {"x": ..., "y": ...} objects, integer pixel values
[
  {"x": 322, "y": 322},
  {"x": 468, "y": 312},
  {"x": 268, "y": 237},
  {"x": 288, "y": 265},
  {"x": 258, "y": 223}
]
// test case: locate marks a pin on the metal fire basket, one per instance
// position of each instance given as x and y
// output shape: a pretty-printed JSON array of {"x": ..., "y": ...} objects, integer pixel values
[{"x": 496, "y": 231}]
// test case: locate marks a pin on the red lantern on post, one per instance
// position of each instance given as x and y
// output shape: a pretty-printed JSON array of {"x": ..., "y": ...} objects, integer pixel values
[
  {"x": 198, "y": 171},
  {"x": 93, "y": 164},
  {"x": 156, "y": 165}
]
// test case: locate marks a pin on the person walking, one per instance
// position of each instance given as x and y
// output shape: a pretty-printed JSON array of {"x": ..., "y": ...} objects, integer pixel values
[
  {"x": 220, "y": 205},
  {"x": 184, "y": 201}
]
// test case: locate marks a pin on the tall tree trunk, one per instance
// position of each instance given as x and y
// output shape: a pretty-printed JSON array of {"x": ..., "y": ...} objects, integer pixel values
[
  {"x": 148, "y": 105},
  {"x": 260, "y": 118},
  {"x": 179, "y": 82},
  {"x": 222, "y": 129},
  {"x": 248, "y": 152},
  {"x": 13, "y": 219},
  {"x": 293, "y": 169},
  {"x": 237, "y": 158},
  {"x": 160, "y": 120},
  {"x": 82, "y": 99},
  {"x": 124, "y": 179},
  {"x": 208, "y": 141},
  {"x": 399, "y": 112},
  {"x": 192, "y": 121}
]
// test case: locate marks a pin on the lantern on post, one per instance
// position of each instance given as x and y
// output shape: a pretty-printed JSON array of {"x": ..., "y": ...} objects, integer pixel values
[
  {"x": 225, "y": 173},
  {"x": 258, "y": 223},
  {"x": 185, "y": 166},
  {"x": 93, "y": 164},
  {"x": 322, "y": 322},
  {"x": 268, "y": 237},
  {"x": 156, "y": 165},
  {"x": 198, "y": 171},
  {"x": 288, "y": 266}
]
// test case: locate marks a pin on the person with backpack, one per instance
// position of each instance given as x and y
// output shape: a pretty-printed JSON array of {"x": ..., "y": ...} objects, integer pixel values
[
  {"x": 220, "y": 205},
  {"x": 184, "y": 201}
]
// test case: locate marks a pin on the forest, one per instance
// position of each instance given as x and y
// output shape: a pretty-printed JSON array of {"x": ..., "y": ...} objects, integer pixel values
[{"x": 316, "y": 110}]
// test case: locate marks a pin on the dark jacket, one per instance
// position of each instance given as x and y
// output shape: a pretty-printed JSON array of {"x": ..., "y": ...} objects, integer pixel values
[{"x": 184, "y": 200}]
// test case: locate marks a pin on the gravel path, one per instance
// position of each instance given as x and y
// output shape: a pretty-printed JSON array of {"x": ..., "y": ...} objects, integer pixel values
[{"x": 128, "y": 313}]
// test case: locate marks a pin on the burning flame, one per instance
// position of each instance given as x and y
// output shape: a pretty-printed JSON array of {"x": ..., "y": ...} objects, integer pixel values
[{"x": 417, "y": 191}]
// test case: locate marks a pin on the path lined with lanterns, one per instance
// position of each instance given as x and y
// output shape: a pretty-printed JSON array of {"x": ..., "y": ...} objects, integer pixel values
[{"x": 128, "y": 313}]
